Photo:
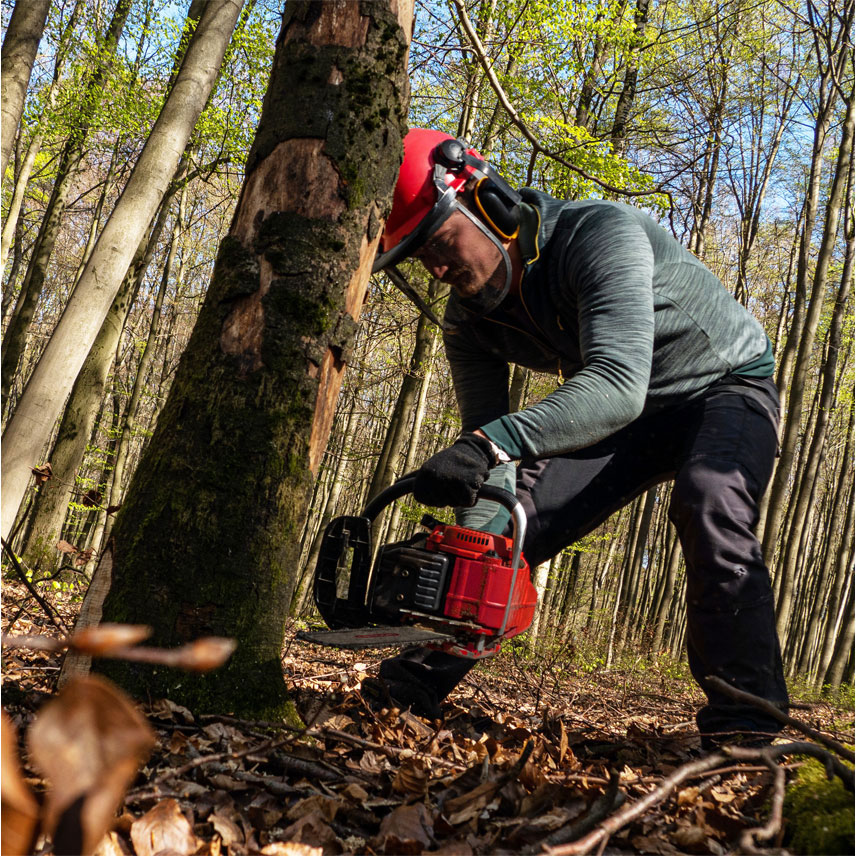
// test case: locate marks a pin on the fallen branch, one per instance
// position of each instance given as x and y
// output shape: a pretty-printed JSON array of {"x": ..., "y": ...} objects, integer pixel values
[
  {"x": 611, "y": 799},
  {"x": 779, "y": 715},
  {"x": 628, "y": 814}
]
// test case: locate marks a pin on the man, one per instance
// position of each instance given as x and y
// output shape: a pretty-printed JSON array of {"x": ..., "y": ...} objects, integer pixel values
[{"x": 666, "y": 377}]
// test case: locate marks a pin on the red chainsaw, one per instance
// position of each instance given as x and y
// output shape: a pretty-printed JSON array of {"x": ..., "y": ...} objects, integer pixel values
[{"x": 456, "y": 589}]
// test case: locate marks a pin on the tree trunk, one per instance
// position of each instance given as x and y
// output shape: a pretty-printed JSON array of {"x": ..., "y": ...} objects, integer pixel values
[
  {"x": 29, "y": 429},
  {"x": 19, "y": 52},
  {"x": 804, "y": 489},
  {"x": 834, "y": 676},
  {"x": 79, "y": 416},
  {"x": 387, "y": 469},
  {"x": 801, "y": 366},
  {"x": 207, "y": 540},
  {"x": 16, "y": 333},
  {"x": 631, "y": 74}
]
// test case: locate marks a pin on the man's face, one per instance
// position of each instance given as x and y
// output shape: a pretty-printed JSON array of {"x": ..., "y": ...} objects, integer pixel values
[{"x": 461, "y": 255}]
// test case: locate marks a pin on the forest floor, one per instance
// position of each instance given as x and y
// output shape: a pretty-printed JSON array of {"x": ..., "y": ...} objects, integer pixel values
[{"x": 531, "y": 755}]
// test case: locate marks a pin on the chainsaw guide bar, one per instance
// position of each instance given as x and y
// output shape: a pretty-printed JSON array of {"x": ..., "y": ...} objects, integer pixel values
[{"x": 356, "y": 638}]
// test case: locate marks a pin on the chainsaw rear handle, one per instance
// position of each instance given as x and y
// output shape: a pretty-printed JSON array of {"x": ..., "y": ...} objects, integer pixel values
[{"x": 488, "y": 491}]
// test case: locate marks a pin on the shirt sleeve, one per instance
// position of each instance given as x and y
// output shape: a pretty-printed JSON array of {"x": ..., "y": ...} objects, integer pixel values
[{"x": 607, "y": 268}]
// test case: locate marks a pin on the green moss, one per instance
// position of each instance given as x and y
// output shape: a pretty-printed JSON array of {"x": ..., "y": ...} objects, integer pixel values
[{"x": 819, "y": 813}]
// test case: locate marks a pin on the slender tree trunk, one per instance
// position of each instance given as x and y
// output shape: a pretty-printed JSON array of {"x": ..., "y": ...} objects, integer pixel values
[
  {"x": 19, "y": 52},
  {"x": 208, "y": 536},
  {"x": 28, "y": 430},
  {"x": 16, "y": 333},
  {"x": 631, "y": 74},
  {"x": 834, "y": 676},
  {"x": 80, "y": 413},
  {"x": 801, "y": 367}
]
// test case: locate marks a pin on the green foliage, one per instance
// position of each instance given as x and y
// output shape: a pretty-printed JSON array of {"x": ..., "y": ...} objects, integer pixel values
[{"x": 819, "y": 813}]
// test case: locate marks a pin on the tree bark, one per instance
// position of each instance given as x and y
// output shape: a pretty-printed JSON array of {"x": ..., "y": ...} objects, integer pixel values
[
  {"x": 801, "y": 366},
  {"x": 19, "y": 52},
  {"x": 30, "y": 427},
  {"x": 16, "y": 333},
  {"x": 207, "y": 540}
]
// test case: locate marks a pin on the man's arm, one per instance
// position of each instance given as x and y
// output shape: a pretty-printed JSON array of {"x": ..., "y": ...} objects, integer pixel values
[{"x": 608, "y": 268}]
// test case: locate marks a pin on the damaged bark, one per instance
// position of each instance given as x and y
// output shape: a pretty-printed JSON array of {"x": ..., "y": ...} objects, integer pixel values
[{"x": 207, "y": 541}]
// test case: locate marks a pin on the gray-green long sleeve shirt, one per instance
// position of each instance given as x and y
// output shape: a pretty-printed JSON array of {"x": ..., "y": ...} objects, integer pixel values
[{"x": 611, "y": 302}]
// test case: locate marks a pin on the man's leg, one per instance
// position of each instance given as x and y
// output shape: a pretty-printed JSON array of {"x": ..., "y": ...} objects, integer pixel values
[{"x": 731, "y": 627}]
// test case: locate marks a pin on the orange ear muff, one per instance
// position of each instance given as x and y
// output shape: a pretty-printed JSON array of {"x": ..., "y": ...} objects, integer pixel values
[{"x": 499, "y": 213}]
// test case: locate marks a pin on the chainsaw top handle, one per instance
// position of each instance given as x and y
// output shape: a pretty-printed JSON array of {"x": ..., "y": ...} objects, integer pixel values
[{"x": 488, "y": 491}]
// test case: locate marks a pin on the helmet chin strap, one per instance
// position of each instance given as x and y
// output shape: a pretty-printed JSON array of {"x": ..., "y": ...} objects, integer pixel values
[{"x": 474, "y": 305}]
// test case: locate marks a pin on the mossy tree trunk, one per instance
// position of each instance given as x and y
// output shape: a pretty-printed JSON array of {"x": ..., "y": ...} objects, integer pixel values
[{"x": 207, "y": 541}]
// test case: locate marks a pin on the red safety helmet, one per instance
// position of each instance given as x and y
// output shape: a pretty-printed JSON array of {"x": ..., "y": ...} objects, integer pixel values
[{"x": 435, "y": 170}]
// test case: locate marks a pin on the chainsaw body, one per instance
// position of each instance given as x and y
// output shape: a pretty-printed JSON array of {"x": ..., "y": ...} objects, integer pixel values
[{"x": 458, "y": 589}]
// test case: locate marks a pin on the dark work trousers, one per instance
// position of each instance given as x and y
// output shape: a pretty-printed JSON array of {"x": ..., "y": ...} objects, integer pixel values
[{"x": 719, "y": 449}]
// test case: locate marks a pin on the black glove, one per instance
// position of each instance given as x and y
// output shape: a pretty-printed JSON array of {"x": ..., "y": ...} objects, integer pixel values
[{"x": 454, "y": 476}]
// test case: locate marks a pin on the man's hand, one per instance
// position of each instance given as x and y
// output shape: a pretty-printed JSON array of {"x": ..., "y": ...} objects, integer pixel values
[{"x": 454, "y": 476}]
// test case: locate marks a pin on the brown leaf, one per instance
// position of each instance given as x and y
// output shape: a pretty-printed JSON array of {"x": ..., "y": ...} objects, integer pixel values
[
  {"x": 317, "y": 803},
  {"x": 164, "y": 827},
  {"x": 83, "y": 557},
  {"x": 111, "y": 845},
  {"x": 688, "y": 796},
  {"x": 112, "y": 509},
  {"x": 106, "y": 638},
  {"x": 290, "y": 848},
  {"x": 411, "y": 778},
  {"x": 20, "y": 811},
  {"x": 65, "y": 547},
  {"x": 469, "y": 805},
  {"x": 91, "y": 499},
  {"x": 228, "y": 830},
  {"x": 690, "y": 838},
  {"x": 204, "y": 654},
  {"x": 89, "y": 742},
  {"x": 42, "y": 473},
  {"x": 312, "y": 829},
  {"x": 407, "y": 829}
]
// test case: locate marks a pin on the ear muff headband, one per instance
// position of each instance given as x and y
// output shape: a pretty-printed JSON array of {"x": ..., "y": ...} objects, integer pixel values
[{"x": 503, "y": 220}]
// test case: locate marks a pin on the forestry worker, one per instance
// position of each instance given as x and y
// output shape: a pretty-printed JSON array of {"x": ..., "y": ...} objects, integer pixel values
[{"x": 664, "y": 377}]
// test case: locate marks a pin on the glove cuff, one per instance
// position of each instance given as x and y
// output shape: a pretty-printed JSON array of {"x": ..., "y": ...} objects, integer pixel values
[{"x": 482, "y": 444}]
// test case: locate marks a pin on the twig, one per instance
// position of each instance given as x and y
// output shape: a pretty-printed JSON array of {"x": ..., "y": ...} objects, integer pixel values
[
  {"x": 481, "y": 55},
  {"x": 56, "y": 621},
  {"x": 833, "y": 766},
  {"x": 612, "y": 824},
  {"x": 780, "y": 716},
  {"x": 611, "y": 799},
  {"x": 774, "y": 823}
]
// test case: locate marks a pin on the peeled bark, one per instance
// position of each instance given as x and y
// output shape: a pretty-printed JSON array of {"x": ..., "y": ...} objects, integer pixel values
[
  {"x": 19, "y": 52},
  {"x": 29, "y": 429},
  {"x": 207, "y": 541}
]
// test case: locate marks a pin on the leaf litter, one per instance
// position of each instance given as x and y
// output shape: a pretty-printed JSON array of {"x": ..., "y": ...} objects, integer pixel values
[{"x": 523, "y": 761}]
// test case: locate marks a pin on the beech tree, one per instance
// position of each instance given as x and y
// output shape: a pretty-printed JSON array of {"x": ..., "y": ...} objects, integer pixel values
[
  {"x": 29, "y": 430},
  {"x": 19, "y": 53},
  {"x": 207, "y": 541}
]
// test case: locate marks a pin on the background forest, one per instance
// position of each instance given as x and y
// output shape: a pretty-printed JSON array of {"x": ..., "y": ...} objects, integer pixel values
[{"x": 730, "y": 122}]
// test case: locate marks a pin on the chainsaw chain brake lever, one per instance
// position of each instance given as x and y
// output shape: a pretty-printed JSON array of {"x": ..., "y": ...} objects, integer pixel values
[{"x": 505, "y": 498}]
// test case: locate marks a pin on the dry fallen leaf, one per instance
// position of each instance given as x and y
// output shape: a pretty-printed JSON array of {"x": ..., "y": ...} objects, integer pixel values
[
  {"x": 228, "y": 830},
  {"x": 290, "y": 848},
  {"x": 204, "y": 654},
  {"x": 313, "y": 830},
  {"x": 407, "y": 829},
  {"x": 89, "y": 742},
  {"x": 20, "y": 811},
  {"x": 164, "y": 828},
  {"x": 106, "y": 638},
  {"x": 411, "y": 778}
]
